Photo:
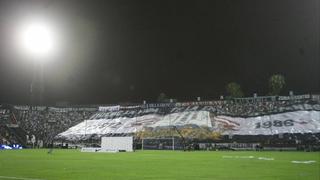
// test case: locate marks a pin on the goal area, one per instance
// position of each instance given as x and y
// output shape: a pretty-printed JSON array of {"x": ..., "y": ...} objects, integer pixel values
[{"x": 172, "y": 143}]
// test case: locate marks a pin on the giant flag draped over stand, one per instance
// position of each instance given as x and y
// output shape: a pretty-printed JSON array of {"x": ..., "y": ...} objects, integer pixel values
[{"x": 287, "y": 122}]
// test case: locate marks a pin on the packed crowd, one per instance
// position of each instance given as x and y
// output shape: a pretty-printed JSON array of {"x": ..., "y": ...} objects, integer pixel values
[
  {"x": 5, "y": 116},
  {"x": 44, "y": 125},
  {"x": 5, "y": 134},
  {"x": 229, "y": 108},
  {"x": 247, "y": 108},
  {"x": 6, "y": 137}
]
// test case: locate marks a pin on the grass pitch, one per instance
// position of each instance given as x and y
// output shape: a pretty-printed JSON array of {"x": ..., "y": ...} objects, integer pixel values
[{"x": 72, "y": 164}]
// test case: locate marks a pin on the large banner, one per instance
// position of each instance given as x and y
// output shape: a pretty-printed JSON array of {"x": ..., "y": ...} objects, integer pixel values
[
  {"x": 123, "y": 125},
  {"x": 290, "y": 122}
]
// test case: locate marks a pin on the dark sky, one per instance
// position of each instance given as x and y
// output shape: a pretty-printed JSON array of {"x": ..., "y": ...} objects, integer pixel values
[{"x": 121, "y": 51}]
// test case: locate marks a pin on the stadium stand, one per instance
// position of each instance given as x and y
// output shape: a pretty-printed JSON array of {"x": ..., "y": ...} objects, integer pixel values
[{"x": 40, "y": 125}]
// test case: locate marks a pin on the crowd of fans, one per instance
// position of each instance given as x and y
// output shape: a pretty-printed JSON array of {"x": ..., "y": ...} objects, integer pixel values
[
  {"x": 5, "y": 134},
  {"x": 229, "y": 108},
  {"x": 43, "y": 125},
  {"x": 247, "y": 108},
  {"x": 7, "y": 137},
  {"x": 5, "y": 116}
]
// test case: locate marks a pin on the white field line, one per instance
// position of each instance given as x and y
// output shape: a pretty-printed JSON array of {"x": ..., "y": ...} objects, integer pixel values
[
  {"x": 303, "y": 162},
  {"x": 21, "y": 178},
  {"x": 265, "y": 158},
  {"x": 248, "y": 157},
  {"x": 239, "y": 157}
]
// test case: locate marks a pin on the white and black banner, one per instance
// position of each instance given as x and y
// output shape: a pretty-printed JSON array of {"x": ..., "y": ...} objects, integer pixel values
[
  {"x": 290, "y": 122},
  {"x": 123, "y": 125}
]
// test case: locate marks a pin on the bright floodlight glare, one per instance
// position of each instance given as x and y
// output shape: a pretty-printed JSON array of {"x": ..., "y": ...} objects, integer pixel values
[{"x": 37, "y": 39}]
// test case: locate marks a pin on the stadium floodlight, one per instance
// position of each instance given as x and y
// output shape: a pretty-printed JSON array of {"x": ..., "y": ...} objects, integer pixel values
[{"x": 37, "y": 39}]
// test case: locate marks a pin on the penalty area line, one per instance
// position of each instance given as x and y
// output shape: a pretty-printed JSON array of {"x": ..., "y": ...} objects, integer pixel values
[{"x": 21, "y": 178}]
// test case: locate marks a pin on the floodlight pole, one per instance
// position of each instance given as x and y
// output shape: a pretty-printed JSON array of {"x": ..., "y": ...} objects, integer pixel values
[
  {"x": 36, "y": 84},
  {"x": 32, "y": 83},
  {"x": 41, "y": 82}
]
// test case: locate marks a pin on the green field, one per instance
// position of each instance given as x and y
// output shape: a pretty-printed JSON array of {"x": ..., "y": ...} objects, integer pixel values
[{"x": 72, "y": 164}]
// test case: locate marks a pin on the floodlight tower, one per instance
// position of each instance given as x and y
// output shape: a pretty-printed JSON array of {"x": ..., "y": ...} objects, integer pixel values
[{"x": 37, "y": 41}]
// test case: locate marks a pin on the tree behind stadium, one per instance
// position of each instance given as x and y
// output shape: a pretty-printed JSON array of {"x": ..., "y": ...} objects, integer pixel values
[
  {"x": 234, "y": 90},
  {"x": 276, "y": 84}
]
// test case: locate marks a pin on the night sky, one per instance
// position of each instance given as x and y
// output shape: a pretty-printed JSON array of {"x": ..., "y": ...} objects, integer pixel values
[{"x": 129, "y": 51}]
